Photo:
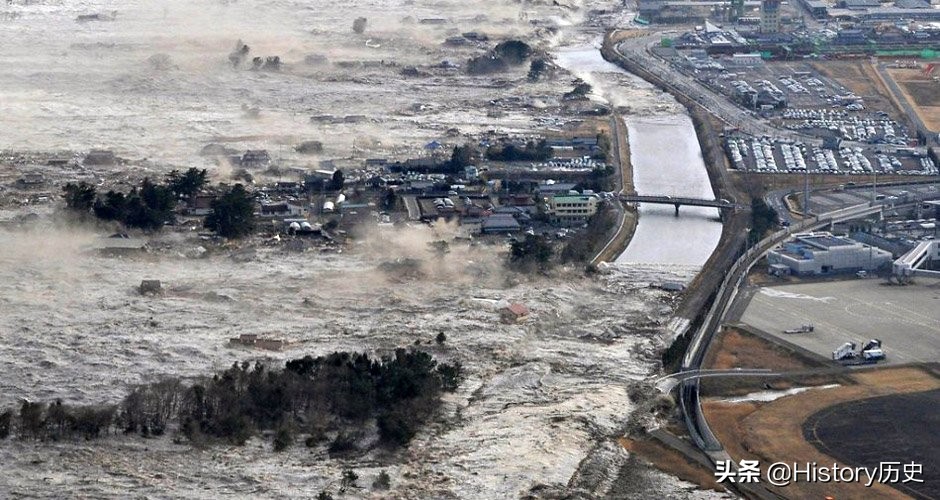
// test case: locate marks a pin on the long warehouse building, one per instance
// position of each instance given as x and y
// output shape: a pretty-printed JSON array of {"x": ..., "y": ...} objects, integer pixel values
[{"x": 823, "y": 253}]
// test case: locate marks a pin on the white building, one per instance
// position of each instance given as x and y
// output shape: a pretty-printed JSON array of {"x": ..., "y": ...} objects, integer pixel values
[
  {"x": 744, "y": 60},
  {"x": 823, "y": 253},
  {"x": 572, "y": 209}
]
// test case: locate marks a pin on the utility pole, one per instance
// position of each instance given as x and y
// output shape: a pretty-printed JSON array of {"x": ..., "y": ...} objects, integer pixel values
[{"x": 806, "y": 193}]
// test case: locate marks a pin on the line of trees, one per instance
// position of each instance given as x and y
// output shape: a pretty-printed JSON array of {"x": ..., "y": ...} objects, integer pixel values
[
  {"x": 150, "y": 206},
  {"x": 532, "y": 151},
  {"x": 342, "y": 393},
  {"x": 763, "y": 219},
  {"x": 589, "y": 242}
]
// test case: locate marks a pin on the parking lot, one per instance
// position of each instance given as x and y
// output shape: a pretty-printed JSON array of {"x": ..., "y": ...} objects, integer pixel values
[
  {"x": 784, "y": 156},
  {"x": 905, "y": 318}
]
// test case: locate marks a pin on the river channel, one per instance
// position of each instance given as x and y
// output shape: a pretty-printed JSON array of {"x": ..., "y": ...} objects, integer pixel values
[{"x": 667, "y": 160}]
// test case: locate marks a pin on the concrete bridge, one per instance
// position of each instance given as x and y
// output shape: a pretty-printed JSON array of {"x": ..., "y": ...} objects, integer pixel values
[{"x": 679, "y": 201}]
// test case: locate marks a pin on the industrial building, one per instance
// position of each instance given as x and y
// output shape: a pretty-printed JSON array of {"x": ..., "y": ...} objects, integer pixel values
[{"x": 822, "y": 253}]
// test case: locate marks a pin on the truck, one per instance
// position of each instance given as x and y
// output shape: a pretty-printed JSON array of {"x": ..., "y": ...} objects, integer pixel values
[
  {"x": 801, "y": 329},
  {"x": 875, "y": 354},
  {"x": 872, "y": 344},
  {"x": 845, "y": 351}
]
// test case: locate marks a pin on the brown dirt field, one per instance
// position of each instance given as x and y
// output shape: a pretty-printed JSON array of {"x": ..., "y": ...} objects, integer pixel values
[
  {"x": 861, "y": 78},
  {"x": 734, "y": 348},
  {"x": 672, "y": 462},
  {"x": 922, "y": 93},
  {"x": 725, "y": 421},
  {"x": 773, "y": 431}
]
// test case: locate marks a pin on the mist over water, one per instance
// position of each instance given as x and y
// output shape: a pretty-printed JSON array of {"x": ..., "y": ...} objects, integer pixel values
[{"x": 80, "y": 85}]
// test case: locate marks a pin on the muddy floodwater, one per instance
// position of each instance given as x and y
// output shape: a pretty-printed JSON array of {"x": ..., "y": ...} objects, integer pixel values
[{"x": 542, "y": 402}]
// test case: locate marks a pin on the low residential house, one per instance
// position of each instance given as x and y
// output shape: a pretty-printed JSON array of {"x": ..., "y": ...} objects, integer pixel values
[
  {"x": 471, "y": 225},
  {"x": 420, "y": 163},
  {"x": 500, "y": 223},
  {"x": 553, "y": 188},
  {"x": 31, "y": 180},
  {"x": 253, "y": 340},
  {"x": 519, "y": 213},
  {"x": 420, "y": 186},
  {"x": 282, "y": 209},
  {"x": 119, "y": 245},
  {"x": 514, "y": 313},
  {"x": 99, "y": 157},
  {"x": 524, "y": 202},
  {"x": 200, "y": 205},
  {"x": 255, "y": 158}
]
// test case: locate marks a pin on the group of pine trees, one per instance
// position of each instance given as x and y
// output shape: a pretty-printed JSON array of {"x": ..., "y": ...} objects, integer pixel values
[
  {"x": 341, "y": 394},
  {"x": 150, "y": 205}
]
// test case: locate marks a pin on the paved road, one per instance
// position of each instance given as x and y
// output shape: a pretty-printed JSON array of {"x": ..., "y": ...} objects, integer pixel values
[
  {"x": 617, "y": 131},
  {"x": 669, "y": 382},
  {"x": 637, "y": 50},
  {"x": 689, "y": 390},
  {"x": 827, "y": 200}
]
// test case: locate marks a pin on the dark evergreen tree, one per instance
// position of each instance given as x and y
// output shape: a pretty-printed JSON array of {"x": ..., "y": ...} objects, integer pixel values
[{"x": 233, "y": 213}]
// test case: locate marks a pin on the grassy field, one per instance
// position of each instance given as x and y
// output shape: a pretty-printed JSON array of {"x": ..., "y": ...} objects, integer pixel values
[{"x": 735, "y": 348}]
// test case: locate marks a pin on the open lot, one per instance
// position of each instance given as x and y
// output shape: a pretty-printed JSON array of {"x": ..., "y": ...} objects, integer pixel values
[
  {"x": 860, "y": 78},
  {"x": 774, "y": 431},
  {"x": 905, "y": 433},
  {"x": 906, "y": 319},
  {"x": 922, "y": 92}
]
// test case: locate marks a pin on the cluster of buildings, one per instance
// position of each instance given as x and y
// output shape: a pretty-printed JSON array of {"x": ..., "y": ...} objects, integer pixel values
[
  {"x": 863, "y": 26},
  {"x": 502, "y": 211},
  {"x": 489, "y": 197},
  {"x": 766, "y": 16}
]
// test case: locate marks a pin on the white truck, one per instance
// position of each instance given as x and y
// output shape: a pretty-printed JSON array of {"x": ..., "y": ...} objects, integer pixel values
[
  {"x": 872, "y": 351},
  {"x": 873, "y": 354},
  {"x": 801, "y": 329},
  {"x": 844, "y": 351}
]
